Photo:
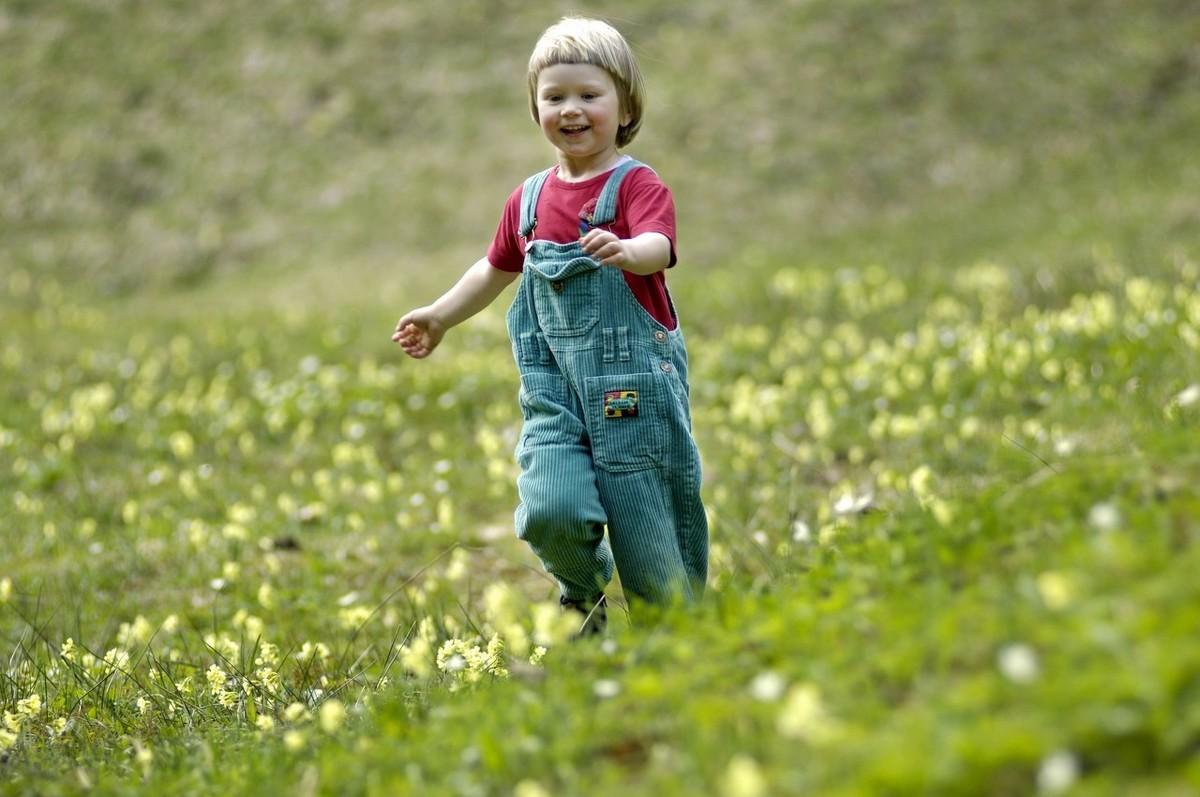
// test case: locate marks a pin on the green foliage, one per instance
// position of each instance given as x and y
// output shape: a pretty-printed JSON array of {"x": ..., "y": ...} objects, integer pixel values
[{"x": 944, "y": 324}]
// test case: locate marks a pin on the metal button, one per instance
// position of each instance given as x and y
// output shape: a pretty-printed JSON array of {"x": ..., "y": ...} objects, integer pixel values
[
  {"x": 665, "y": 366},
  {"x": 558, "y": 286},
  {"x": 660, "y": 336}
]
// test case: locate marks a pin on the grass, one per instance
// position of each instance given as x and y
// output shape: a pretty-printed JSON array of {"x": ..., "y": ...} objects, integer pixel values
[{"x": 944, "y": 328}]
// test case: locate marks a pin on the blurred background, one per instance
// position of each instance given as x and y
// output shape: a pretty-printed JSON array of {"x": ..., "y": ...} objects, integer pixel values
[{"x": 248, "y": 152}]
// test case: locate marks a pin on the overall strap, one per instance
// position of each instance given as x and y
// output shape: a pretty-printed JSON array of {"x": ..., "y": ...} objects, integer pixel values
[
  {"x": 529, "y": 197},
  {"x": 606, "y": 205}
]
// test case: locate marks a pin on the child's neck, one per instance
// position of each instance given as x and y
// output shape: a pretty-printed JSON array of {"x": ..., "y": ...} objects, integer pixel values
[{"x": 576, "y": 170}]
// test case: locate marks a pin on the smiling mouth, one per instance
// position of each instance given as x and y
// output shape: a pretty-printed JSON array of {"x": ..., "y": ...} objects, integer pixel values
[{"x": 574, "y": 130}]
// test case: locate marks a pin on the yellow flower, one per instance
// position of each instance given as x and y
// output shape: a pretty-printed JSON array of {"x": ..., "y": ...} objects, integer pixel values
[
  {"x": 269, "y": 678},
  {"x": 415, "y": 657},
  {"x": 309, "y": 649},
  {"x": 354, "y": 616},
  {"x": 182, "y": 445},
  {"x": 264, "y": 722},
  {"x": 135, "y": 633},
  {"x": 296, "y": 712},
  {"x": 1056, "y": 589},
  {"x": 242, "y": 514},
  {"x": 552, "y": 626},
  {"x": 266, "y": 596},
  {"x": 332, "y": 714},
  {"x": 293, "y": 740},
  {"x": 215, "y": 677},
  {"x": 116, "y": 659},
  {"x": 530, "y": 788},
  {"x": 6, "y": 589},
  {"x": 943, "y": 513},
  {"x": 268, "y": 655},
  {"x": 144, "y": 756},
  {"x": 457, "y": 569},
  {"x": 743, "y": 778},
  {"x": 803, "y": 716},
  {"x": 30, "y": 706},
  {"x": 921, "y": 483}
]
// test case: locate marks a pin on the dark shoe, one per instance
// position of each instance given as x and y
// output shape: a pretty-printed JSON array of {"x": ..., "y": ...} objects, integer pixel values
[{"x": 594, "y": 612}]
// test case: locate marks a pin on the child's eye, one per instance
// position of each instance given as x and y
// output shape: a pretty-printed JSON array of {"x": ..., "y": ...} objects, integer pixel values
[{"x": 589, "y": 96}]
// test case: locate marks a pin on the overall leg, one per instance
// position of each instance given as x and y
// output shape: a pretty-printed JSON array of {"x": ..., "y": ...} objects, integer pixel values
[
  {"x": 648, "y": 474},
  {"x": 646, "y": 543},
  {"x": 560, "y": 514}
]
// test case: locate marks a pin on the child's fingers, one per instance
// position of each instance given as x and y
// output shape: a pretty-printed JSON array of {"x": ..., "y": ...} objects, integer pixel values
[
  {"x": 595, "y": 239},
  {"x": 608, "y": 253}
]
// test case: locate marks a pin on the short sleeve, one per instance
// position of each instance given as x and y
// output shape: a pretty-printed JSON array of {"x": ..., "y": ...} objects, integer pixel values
[
  {"x": 505, "y": 251},
  {"x": 648, "y": 206}
]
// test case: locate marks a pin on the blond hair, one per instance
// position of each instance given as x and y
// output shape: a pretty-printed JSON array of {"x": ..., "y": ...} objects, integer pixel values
[{"x": 577, "y": 40}]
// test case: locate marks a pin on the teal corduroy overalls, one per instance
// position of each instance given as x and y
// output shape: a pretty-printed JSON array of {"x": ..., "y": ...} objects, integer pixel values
[{"x": 607, "y": 428}]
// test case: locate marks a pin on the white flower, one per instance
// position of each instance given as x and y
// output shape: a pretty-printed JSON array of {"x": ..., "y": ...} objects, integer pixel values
[
  {"x": 801, "y": 532},
  {"x": 606, "y": 688},
  {"x": 1058, "y": 772},
  {"x": 1104, "y": 517},
  {"x": 1187, "y": 397},
  {"x": 1018, "y": 663},
  {"x": 768, "y": 686},
  {"x": 850, "y": 504}
]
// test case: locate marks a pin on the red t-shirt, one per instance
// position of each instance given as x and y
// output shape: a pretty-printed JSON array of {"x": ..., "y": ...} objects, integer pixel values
[{"x": 644, "y": 204}]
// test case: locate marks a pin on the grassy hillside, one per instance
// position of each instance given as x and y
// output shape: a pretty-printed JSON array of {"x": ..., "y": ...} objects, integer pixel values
[
  {"x": 150, "y": 146},
  {"x": 941, "y": 286}
]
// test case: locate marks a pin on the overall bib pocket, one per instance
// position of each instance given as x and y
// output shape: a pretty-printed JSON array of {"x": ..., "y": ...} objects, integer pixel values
[
  {"x": 626, "y": 417},
  {"x": 567, "y": 296}
]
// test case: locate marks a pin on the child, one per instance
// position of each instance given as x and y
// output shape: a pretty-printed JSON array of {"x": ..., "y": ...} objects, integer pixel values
[{"x": 607, "y": 436}]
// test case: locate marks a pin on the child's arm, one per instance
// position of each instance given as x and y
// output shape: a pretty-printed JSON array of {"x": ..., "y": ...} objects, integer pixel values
[
  {"x": 643, "y": 254},
  {"x": 420, "y": 331}
]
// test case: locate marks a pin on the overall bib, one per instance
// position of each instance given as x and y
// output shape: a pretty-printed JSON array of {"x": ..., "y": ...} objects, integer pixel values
[{"x": 607, "y": 435}]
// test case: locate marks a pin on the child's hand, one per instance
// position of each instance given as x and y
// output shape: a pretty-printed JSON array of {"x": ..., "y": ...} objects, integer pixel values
[
  {"x": 419, "y": 332},
  {"x": 606, "y": 248}
]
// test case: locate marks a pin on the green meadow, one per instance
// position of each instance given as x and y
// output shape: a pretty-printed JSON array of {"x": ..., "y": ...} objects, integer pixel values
[{"x": 940, "y": 277}]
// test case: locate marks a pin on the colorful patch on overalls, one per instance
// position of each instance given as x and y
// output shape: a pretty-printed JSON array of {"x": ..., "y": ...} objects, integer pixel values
[{"x": 620, "y": 404}]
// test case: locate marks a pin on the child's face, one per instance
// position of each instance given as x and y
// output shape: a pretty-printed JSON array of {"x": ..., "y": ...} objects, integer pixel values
[{"x": 579, "y": 110}]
